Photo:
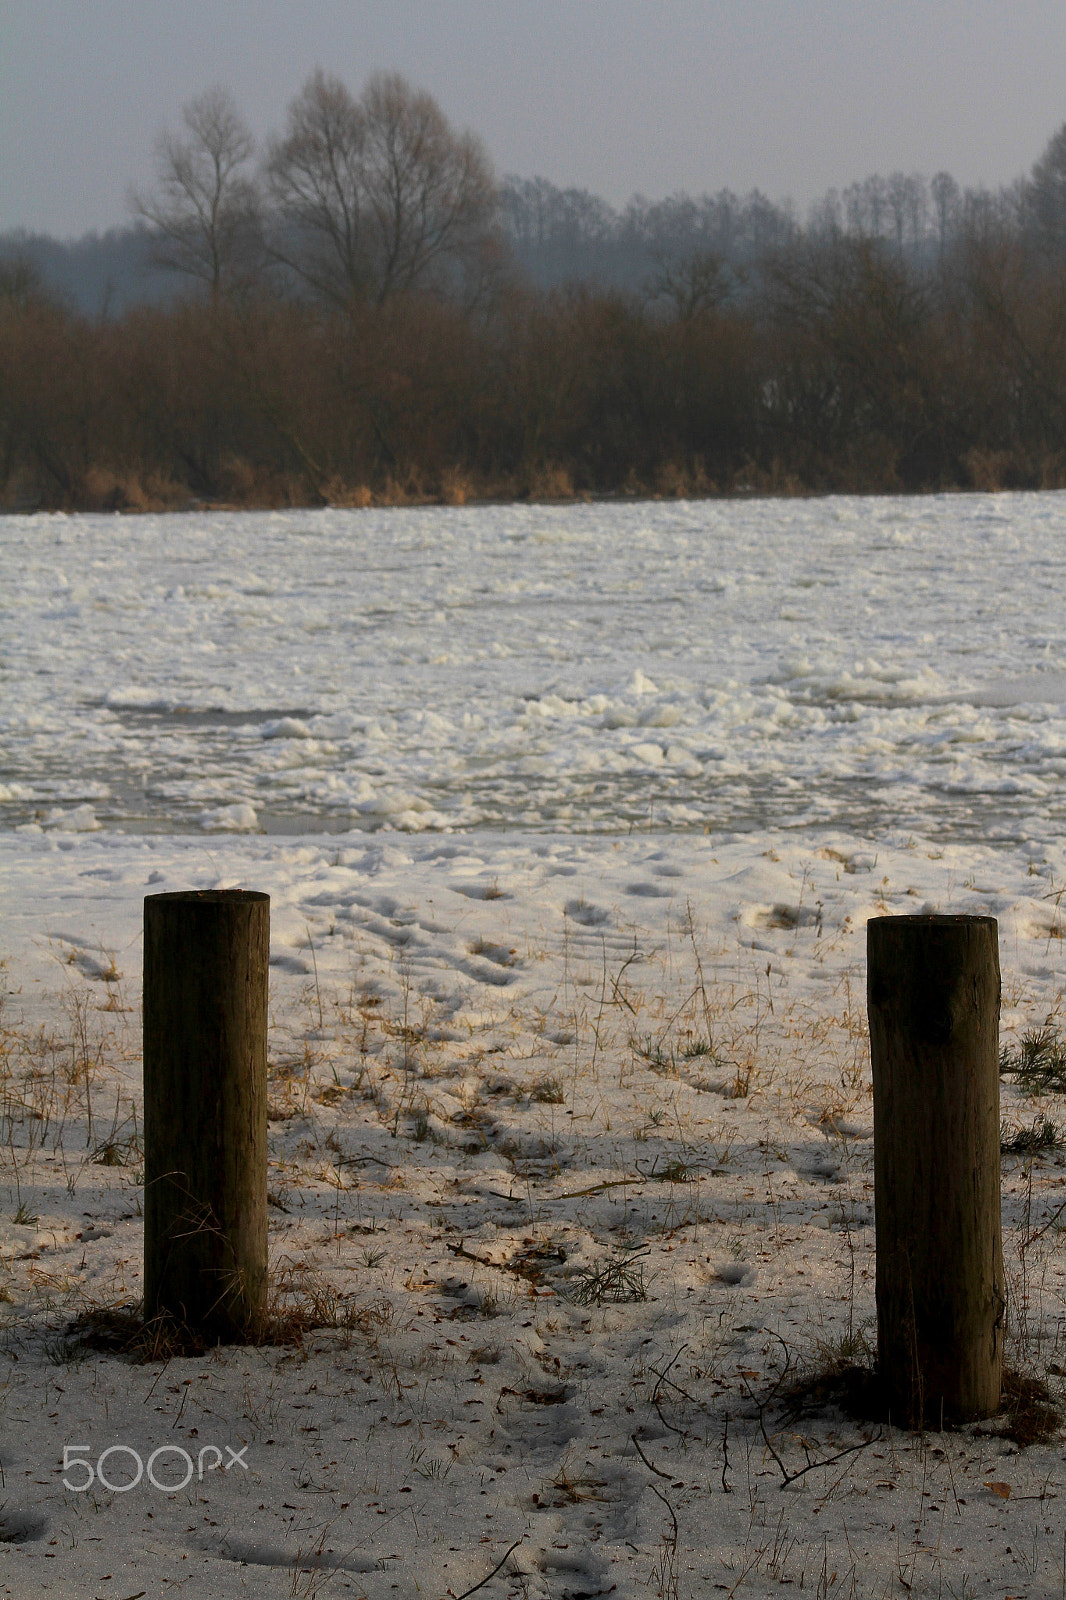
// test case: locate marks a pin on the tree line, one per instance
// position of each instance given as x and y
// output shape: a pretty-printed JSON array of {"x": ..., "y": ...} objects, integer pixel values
[{"x": 366, "y": 316}]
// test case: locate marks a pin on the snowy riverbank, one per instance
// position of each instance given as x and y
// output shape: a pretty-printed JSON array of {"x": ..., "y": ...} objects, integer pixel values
[{"x": 570, "y": 1140}]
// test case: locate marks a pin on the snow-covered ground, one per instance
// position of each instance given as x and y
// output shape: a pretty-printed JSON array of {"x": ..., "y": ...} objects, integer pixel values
[{"x": 572, "y": 819}]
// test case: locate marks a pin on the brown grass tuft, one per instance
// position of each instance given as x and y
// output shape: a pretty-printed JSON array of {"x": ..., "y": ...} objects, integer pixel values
[
  {"x": 1031, "y": 1415},
  {"x": 301, "y": 1301}
]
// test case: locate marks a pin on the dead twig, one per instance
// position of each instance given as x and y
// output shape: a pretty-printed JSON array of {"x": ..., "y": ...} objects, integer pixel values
[
  {"x": 827, "y": 1461},
  {"x": 657, "y": 1393},
  {"x": 649, "y": 1464},
  {"x": 483, "y": 1581}
]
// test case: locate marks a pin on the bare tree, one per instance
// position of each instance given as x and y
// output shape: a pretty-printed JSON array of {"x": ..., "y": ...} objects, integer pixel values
[
  {"x": 825, "y": 215},
  {"x": 204, "y": 208},
  {"x": 895, "y": 198},
  {"x": 379, "y": 196},
  {"x": 431, "y": 190},
  {"x": 864, "y": 207},
  {"x": 1045, "y": 196},
  {"x": 906, "y": 205},
  {"x": 317, "y": 184},
  {"x": 692, "y": 286},
  {"x": 917, "y": 207},
  {"x": 946, "y": 201},
  {"x": 21, "y": 282}
]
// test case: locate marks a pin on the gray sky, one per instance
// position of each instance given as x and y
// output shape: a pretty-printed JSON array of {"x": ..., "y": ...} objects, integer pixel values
[{"x": 617, "y": 96}]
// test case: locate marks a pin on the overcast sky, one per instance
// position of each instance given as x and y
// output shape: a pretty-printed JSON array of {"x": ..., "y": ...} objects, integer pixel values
[{"x": 617, "y": 96}]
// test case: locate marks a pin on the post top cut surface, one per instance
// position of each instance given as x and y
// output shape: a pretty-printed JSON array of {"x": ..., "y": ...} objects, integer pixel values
[
  {"x": 927, "y": 919},
  {"x": 209, "y": 896},
  {"x": 907, "y": 936}
]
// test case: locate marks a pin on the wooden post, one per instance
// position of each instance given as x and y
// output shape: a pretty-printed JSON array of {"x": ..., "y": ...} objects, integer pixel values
[
  {"x": 205, "y": 1116},
  {"x": 933, "y": 992}
]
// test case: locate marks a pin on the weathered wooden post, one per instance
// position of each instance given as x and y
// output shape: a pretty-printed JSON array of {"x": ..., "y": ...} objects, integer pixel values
[
  {"x": 933, "y": 993},
  {"x": 205, "y": 1116}
]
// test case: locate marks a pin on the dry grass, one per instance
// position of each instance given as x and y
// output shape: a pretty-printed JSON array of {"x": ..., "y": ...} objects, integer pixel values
[
  {"x": 1031, "y": 1415},
  {"x": 1038, "y": 1063},
  {"x": 844, "y": 1380},
  {"x": 302, "y": 1300},
  {"x": 802, "y": 1073},
  {"x": 616, "y": 1282}
]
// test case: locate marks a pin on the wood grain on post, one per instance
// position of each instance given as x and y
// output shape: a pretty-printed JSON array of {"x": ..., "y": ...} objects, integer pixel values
[
  {"x": 206, "y": 956},
  {"x": 934, "y": 993}
]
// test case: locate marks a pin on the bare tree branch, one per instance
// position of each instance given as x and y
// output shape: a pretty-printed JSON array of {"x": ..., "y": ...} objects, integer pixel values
[
  {"x": 204, "y": 208},
  {"x": 378, "y": 197}
]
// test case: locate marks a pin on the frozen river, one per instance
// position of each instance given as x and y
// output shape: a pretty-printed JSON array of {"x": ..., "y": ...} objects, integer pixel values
[{"x": 733, "y": 667}]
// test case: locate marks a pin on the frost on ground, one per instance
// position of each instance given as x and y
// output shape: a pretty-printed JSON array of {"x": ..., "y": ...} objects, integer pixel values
[{"x": 571, "y": 1187}]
